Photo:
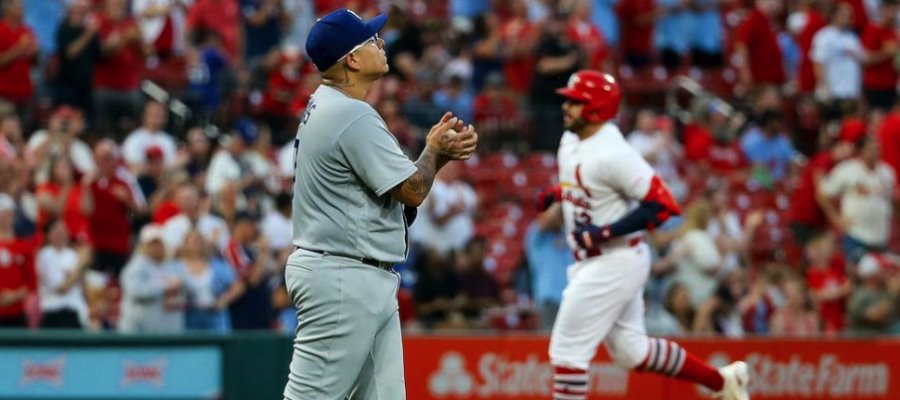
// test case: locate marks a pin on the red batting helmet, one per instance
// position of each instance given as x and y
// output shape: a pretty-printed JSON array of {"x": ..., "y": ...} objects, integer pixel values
[{"x": 599, "y": 93}]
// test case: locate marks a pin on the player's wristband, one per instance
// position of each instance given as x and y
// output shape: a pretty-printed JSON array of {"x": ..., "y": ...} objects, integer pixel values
[{"x": 547, "y": 197}]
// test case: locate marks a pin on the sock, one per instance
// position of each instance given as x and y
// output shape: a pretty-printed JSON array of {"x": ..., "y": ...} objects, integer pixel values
[
  {"x": 569, "y": 383},
  {"x": 668, "y": 358}
]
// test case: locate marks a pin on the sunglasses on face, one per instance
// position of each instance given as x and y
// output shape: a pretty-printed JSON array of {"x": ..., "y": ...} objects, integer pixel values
[{"x": 372, "y": 40}]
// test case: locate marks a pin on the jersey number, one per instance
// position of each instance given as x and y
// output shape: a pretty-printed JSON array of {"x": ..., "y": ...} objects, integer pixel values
[
  {"x": 583, "y": 218},
  {"x": 311, "y": 106}
]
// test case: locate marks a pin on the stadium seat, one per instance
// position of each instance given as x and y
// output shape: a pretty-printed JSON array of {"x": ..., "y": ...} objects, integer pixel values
[
  {"x": 170, "y": 73},
  {"x": 406, "y": 306},
  {"x": 540, "y": 160}
]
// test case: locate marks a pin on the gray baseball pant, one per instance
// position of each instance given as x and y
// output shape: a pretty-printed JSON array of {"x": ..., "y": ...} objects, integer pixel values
[{"x": 348, "y": 343}]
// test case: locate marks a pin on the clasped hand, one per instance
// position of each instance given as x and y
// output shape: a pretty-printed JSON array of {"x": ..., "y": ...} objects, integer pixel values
[{"x": 452, "y": 138}]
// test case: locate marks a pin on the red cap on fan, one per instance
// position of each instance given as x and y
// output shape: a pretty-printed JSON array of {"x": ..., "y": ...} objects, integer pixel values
[
  {"x": 154, "y": 153},
  {"x": 852, "y": 130},
  {"x": 65, "y": 112}
]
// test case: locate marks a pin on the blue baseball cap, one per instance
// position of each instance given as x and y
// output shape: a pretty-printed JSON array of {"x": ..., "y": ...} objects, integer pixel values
[{"x": 336, "y": 34}]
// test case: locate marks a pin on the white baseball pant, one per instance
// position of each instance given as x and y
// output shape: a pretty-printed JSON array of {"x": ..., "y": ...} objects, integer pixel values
[{"x": 603, "y": 302}]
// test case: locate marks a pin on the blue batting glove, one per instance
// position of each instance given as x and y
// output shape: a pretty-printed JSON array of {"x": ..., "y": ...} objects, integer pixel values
[{"x": 589, "y": 236}]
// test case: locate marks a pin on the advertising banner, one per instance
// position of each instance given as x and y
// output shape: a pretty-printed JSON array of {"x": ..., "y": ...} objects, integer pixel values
[
  {"x": 517, "y": 367},
  {"x": 111, "y": 373}
]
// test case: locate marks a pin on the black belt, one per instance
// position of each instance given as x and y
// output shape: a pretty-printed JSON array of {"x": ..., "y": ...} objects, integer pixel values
[
  {"x": 385, "y": 265},
  {"x": 579, "y": 256}
]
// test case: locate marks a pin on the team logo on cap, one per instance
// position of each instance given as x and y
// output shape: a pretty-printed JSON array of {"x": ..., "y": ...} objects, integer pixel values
[
  {"x": 573, "y": 80},
  {"x": 354, "y": 14}
]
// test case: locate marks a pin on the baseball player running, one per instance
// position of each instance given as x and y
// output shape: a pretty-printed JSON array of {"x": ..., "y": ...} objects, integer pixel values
[
  {"x": 355, "y": 194},
  {"x": 610, "y": 195}
]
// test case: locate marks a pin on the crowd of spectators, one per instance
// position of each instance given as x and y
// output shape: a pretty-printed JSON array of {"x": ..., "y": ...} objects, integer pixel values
[{"x": 146, "y": 153}]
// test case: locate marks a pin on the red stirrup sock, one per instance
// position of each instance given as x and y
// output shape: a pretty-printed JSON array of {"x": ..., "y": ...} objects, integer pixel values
[
  {"x": 569, "y": 383},
  {"x": 668, "y": 358}
]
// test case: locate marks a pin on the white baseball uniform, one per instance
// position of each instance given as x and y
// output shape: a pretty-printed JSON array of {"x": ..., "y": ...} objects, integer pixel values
[
  {"x": 602, "y": 179},
  {"x": 603, "y": 182}
]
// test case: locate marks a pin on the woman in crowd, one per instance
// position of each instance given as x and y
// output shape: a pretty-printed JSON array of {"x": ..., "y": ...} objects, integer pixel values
[
  {"x": 797, "y": 316},
  {"x": 60, "y": 270},
  {"x": 698, "y": 258},
  {"x": 678, "y": 304},
  {"x": 59, "y": 196},
  {"x": 210, "y": 284}
]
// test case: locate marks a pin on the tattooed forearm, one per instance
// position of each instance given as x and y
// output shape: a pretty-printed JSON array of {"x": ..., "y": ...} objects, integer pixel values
[{"x": 414, "y": 189}]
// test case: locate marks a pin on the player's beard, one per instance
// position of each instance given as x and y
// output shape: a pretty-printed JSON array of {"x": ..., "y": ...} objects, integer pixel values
[{"x": 574, "y": 124}]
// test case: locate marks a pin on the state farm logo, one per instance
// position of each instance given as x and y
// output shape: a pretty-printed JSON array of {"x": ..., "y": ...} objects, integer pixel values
[
  {"x": 50, "y": 371},
  {"x": 451, "y": 378},
  {"x": 826, "y": 376},
  {"x": 152, "y": 372},
  {"x": 498, "y": 375}
]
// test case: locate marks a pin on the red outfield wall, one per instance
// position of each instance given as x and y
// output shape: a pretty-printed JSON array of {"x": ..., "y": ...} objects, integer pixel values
[{"x": 517, "y": 367}]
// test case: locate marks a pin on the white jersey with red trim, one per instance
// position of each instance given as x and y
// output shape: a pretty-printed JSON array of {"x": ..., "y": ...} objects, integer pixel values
[{"x": 602, "y": 177}]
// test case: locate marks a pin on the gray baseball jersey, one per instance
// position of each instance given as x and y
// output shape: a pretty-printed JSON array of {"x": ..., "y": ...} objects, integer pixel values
[
  {"x": 348, "y": 342},
  {"x": 346, "y": 162}
]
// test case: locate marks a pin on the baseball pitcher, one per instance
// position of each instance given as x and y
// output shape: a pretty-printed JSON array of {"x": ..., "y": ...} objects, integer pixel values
[{"x": 355, "y": 194}]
